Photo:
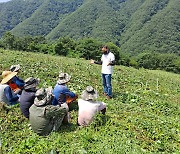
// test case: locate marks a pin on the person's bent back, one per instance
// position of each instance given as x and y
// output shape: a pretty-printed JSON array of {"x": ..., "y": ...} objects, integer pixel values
[
  {"x": 28, "y": 95},
  {"x": 45, "y": 117},
  {"x": 61, "y": 92},
  {"x": 6, "y": 94},
  {"x": 89, "y": 107},
  {"x": 17, "y": 83}
]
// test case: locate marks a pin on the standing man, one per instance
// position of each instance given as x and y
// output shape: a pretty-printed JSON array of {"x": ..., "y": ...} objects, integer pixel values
[{"x": 107, "y": 62}]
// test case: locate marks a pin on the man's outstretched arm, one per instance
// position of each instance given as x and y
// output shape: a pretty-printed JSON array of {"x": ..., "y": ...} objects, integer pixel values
[{"x": 96, "y": 62}]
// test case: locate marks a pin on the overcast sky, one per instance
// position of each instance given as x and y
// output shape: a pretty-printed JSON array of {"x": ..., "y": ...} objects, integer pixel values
[{"x": 4, "y": 1}]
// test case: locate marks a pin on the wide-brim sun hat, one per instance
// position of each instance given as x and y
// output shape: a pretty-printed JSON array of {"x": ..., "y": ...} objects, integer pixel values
[
  {"x": 7, "y": 75},
  {"x": 89, "y": 94},
  {"x": 15, "y": 68},
  {"x": 43, "y": 97},
  {"x": 63, "y": 78},
  {"x": 31, "y": 83}
]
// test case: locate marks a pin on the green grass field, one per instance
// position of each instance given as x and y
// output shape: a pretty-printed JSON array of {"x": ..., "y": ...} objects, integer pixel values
[{"x": 142, "y": 117}]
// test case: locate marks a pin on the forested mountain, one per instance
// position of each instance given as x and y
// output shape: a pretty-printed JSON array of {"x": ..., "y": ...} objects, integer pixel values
[
  {"x": 134, "y": 25},
  {"x": 14, "y": 12},
  {"x": 102, "y": 19},
  {"x": 155, "y": 26},
  {"x": 47, "y": 17}
]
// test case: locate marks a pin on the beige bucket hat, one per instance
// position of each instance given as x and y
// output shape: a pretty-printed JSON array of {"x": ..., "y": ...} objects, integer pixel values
[
  {"x": 31, "y": 83},
  {"x": 43, "y": 96},
  {"x": 63, "y": 78},
  {"x": 89, "y": 94}
]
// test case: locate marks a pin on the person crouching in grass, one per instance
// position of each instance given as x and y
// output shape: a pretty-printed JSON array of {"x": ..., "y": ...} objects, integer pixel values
[
  {"x": 28, "y": 95},
  {"x": 62, "y": 93},
  {"x": 89, "y": 107},
  {"x": 45, "y": 117},
  {"x": 17, "y": 83},
  {"x": 7, "y": 96}
]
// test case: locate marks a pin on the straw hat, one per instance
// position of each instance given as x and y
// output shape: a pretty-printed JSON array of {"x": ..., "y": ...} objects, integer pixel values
[
  {"x": 63, "y": 78},
  {"x": 89, "y": 94},
  {"x": 43, "y": 96},
  {"x": 31, "y": 83},
  {"x": 7, "y": 75},
  {"x": 15, "y": 68}
]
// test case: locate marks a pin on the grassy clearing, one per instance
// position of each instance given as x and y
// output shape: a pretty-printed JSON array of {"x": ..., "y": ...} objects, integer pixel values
[{"x": 143, "y": 116}]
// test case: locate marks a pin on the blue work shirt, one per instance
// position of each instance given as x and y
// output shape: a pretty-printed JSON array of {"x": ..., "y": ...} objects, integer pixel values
[
  {"x": 11, "y": 97},
  {"x": 19, "y": 82},
  {"x": 61, "y": 89}
]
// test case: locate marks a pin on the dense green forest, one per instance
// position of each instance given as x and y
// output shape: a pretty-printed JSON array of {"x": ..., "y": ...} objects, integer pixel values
[
  {"x": 14, "y": 12},
  {"x": 89, "y": 48},
  {"x": 46, "y": 17},
  {"x": 135, "y": 26},
  {"x": 155, "y": 24}
]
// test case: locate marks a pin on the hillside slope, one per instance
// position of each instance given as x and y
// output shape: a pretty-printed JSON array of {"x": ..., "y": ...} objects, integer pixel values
[
  {"x": 142, "y": 117},
  {"x": 134, "y": 25}
]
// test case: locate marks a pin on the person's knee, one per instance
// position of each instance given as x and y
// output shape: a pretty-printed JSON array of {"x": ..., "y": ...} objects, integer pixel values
[{"x": 109, "y": 86}]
